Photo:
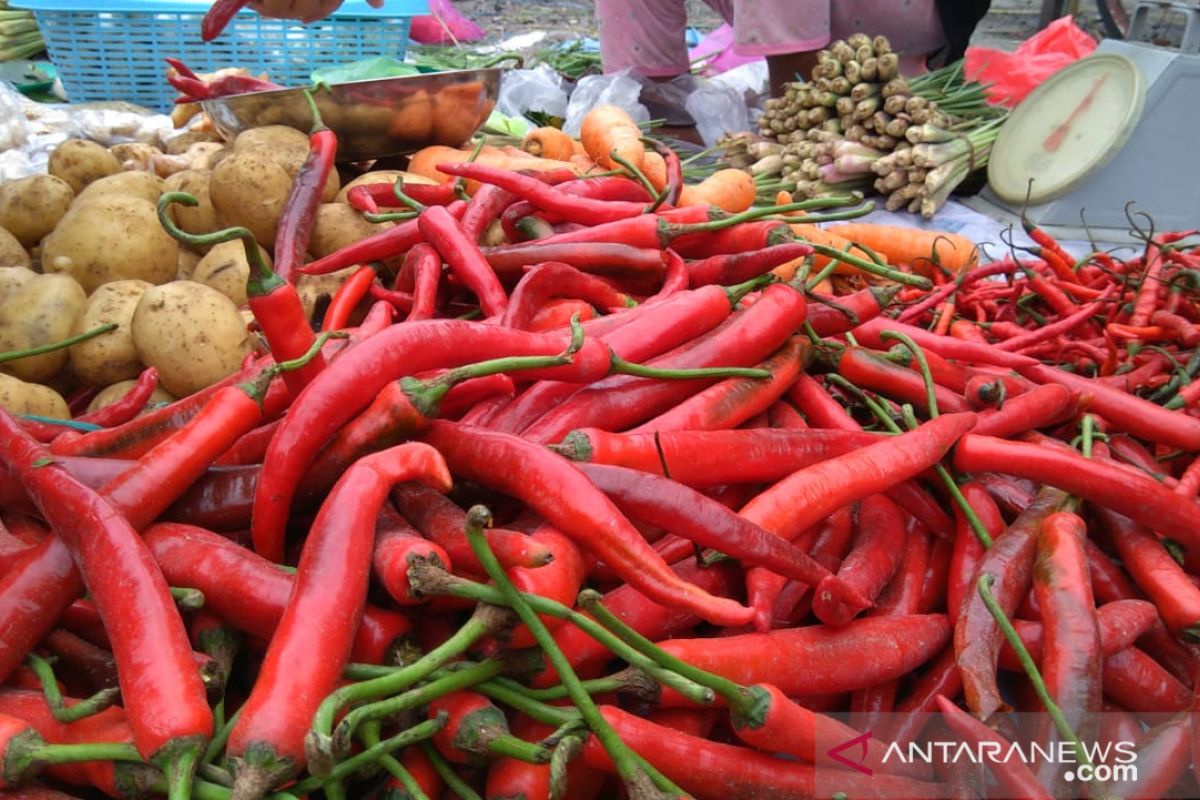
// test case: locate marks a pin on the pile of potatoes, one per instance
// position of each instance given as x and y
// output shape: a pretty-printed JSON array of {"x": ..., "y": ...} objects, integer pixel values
[{"x": 82, "y": 246}]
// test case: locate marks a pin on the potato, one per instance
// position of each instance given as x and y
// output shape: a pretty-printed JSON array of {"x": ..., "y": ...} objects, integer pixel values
[
  {"x": 388, "y": 176},
  {"x": 110, "y": 357},
  {"x": 12, "y": 279},
  {"x": 31, "y": 207},
  {"x": 275, "y": 138},
  {"x": 12, "y": 254},
  {"x": 200, "y": 218},
  {"x": 312, "y": 287},
  {"x": 79, "y": 162},
  {"x": 40, "y": 312},
  {"x": 146, "y": 185},
  {"x": 192, "y": 334},
  {"x": 225, "y": 269},
  {"x": 338, "y": 225},
  {"x": 250, "y": 188},
  {"x": 108, "y": 239},
  {"x": 20, "y": 397},
  {"x": 188, "y": 259},
  {"x": 179, "y": 144},
  {"x": 111, "y": 394}
]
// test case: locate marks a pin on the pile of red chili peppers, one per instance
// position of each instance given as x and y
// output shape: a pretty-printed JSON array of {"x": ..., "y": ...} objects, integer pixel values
[{"x": 654, "y": 523}]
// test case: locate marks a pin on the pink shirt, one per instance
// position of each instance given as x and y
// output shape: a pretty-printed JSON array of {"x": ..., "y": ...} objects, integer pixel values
[{"x": 647, "y": 36}]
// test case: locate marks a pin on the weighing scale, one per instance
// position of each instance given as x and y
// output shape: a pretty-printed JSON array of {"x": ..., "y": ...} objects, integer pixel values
[{"x": 1120, "y": 126}]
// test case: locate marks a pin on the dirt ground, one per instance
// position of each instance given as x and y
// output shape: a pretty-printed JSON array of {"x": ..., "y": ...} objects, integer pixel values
[{"x": 1007, "y": 24}]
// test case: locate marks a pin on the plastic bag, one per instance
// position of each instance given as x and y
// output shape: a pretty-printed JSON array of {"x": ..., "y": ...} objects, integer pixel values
[
  {"x": 14, "y": 128},
  {"x": 718, "y": 109},
  {"x": 540, "y": 89},
  {"x": 1014, "y": 75},
  {"x": 717, "y": 47},
  {"x": 443, "y": 25},
  {"x": 617, "y": 89}
]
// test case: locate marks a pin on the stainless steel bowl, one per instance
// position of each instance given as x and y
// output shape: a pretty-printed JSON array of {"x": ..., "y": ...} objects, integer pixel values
[{"x": 373, "y": 119}]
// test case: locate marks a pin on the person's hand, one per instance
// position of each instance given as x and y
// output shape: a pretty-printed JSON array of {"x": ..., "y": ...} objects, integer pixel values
[{"x": 304, "y": 10}]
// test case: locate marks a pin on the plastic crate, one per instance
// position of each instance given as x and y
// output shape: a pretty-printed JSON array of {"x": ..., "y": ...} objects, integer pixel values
[{"x": 115, "y": 50}]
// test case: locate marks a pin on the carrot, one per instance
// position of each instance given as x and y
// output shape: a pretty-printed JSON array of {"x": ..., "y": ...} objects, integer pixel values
[
  {"x": 425, "y": 161},
  {"x": 412, "y": 119},
  {"x": 608, "y": 128},
  {"x": 549, "y": 142},
  {"x": 731, "y": 190},
  {"x": 654, "y": 167},
  {"x": 811, "y": 233},
  {"x": 913, "y": 246}
]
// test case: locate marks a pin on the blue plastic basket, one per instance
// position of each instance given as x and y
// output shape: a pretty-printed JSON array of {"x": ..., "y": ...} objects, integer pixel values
[{"x": 114, "y": 50}]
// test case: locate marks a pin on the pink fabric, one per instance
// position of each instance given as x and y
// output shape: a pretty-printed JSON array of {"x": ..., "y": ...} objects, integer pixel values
[{"x": 647, "y": 36}]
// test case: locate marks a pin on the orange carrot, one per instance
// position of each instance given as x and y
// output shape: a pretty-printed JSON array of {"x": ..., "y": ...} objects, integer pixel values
[
  {"x": 913, "y": 246},
  {"x": 607, "y": 129},
  {"x": 731, "y": 190},
  {"x": 654, "y": 167},
  {"x": 549, "y": 142},
  {"x": 425, "y": 161}
]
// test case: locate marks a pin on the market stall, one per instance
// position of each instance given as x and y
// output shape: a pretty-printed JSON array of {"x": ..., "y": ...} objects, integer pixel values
[{"x": 432, "y": 422}]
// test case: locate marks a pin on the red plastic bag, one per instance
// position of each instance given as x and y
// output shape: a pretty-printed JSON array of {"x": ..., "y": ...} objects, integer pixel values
[
  {"x": 443, "y": 25},
  {"x": 717, "y": 48},
  {"x": 1014, "y": 75}
]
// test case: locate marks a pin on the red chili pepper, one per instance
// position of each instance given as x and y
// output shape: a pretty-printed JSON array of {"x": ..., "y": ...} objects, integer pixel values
[
  {"x": 1121, "y": 623},
  {"x": 353, "y": 381},
  {"x": 300, "y": 210},
  {"x": 1037, "y": 408},
  {"x": 643, "y": 332},
  {"x": 249, "y": 448},
  {"x": 114, "y": 779},
  {"x": 164, "y": 696},
  {"x": 39, "y": 583},
  {"x": 347, "y": 298},
  {"x": 82, "y": 619},
  {"x": 869, "y": 565},
  {"x": 1141, "y": 684},
  {"x": 1071, "y": 654},
  {"x": 555, "y": 279},
  {"x": 219, "y": 16},
  {"x": 868, "y": 334},
  {"x": 557, "y": 314},
  {"x": 803, "y": 498},
  {"x": 977, "y": 637},
  {"x": 242, "y": 588},
  {"x": 628, "y": 400},
  {"x": 369, "y": 197},
  {"x": 381, "y": 246},
  {"x": 731, "y": 402},
  {"x": 94, "y": 665},
  {"x": 418, "y": 765},
  {"x": 968, "y": 550},
  {"x": 129, "y": 406},
  {"x": 446, "y": 234},
  {"x": 1157, "y": 574},
  {"x": 739, "y": 238},
  {"x": 818, "y": 406},
  {"x": 1162, "y": 755},
  {"x": 870, "y": 371},
  {"x": 818, "y": 659},
  {"x": 547, "y": 198},
  {"x": 444, "y": 523},
  {"x": 730, "y": 268},
  {"x": 675, "y": 508},
  {"x": 559, "y": 580},
  {"x": 544, "y": 482},
  {"x": 827, "y": 543},
  {"x": 594, "y": 258},
  {"x": 397, "y": 541},
  {"x": 483, "y": 209},
  {"x": 1124, "y": 411},
  {"x": 1011, "y": 773},
  {"x": 321, "y": 617},
  {"x": 1127, "y": 492},
  {"x": 650, "y": 619}
]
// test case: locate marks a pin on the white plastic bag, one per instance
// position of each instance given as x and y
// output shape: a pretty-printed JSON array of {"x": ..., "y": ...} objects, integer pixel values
[
  {"x": 617, "y": 89},
  {"x": 14, "y": 128},
  {"x": 539, "y": 89}
]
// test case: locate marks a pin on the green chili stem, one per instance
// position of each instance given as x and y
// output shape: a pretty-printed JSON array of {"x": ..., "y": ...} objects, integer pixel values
[
  {"x": 634, "y": 171},
  {"x": 399, "y": 216},
  {"x": 180, "y": 770},
  {"x": 263, "y": 279},
  {"x": 501, "y": 690},
  {"x": 221, "y": 738},
  {"x": 370, "y": 737},
  {"x": 567, "y": 749},
  {"x": 50, "y": 347},
  {"x": 66, "y": 423},
  {"x": 445, "y": 583},
  {"x": 479, "y": 518},
  {"x": 187, "y": 599},
  {"x": 93, "y": 751},
  {"x": 922, "y": 363},
  {"x": 54, "y": 699},
  {"x": 622, "y": 367},
  {"x": 448, "y": 775},
  {"x": 1087, "y": 429},
  {"x": 370, "y": 755},
  {"x": 484, "y": 622}
]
